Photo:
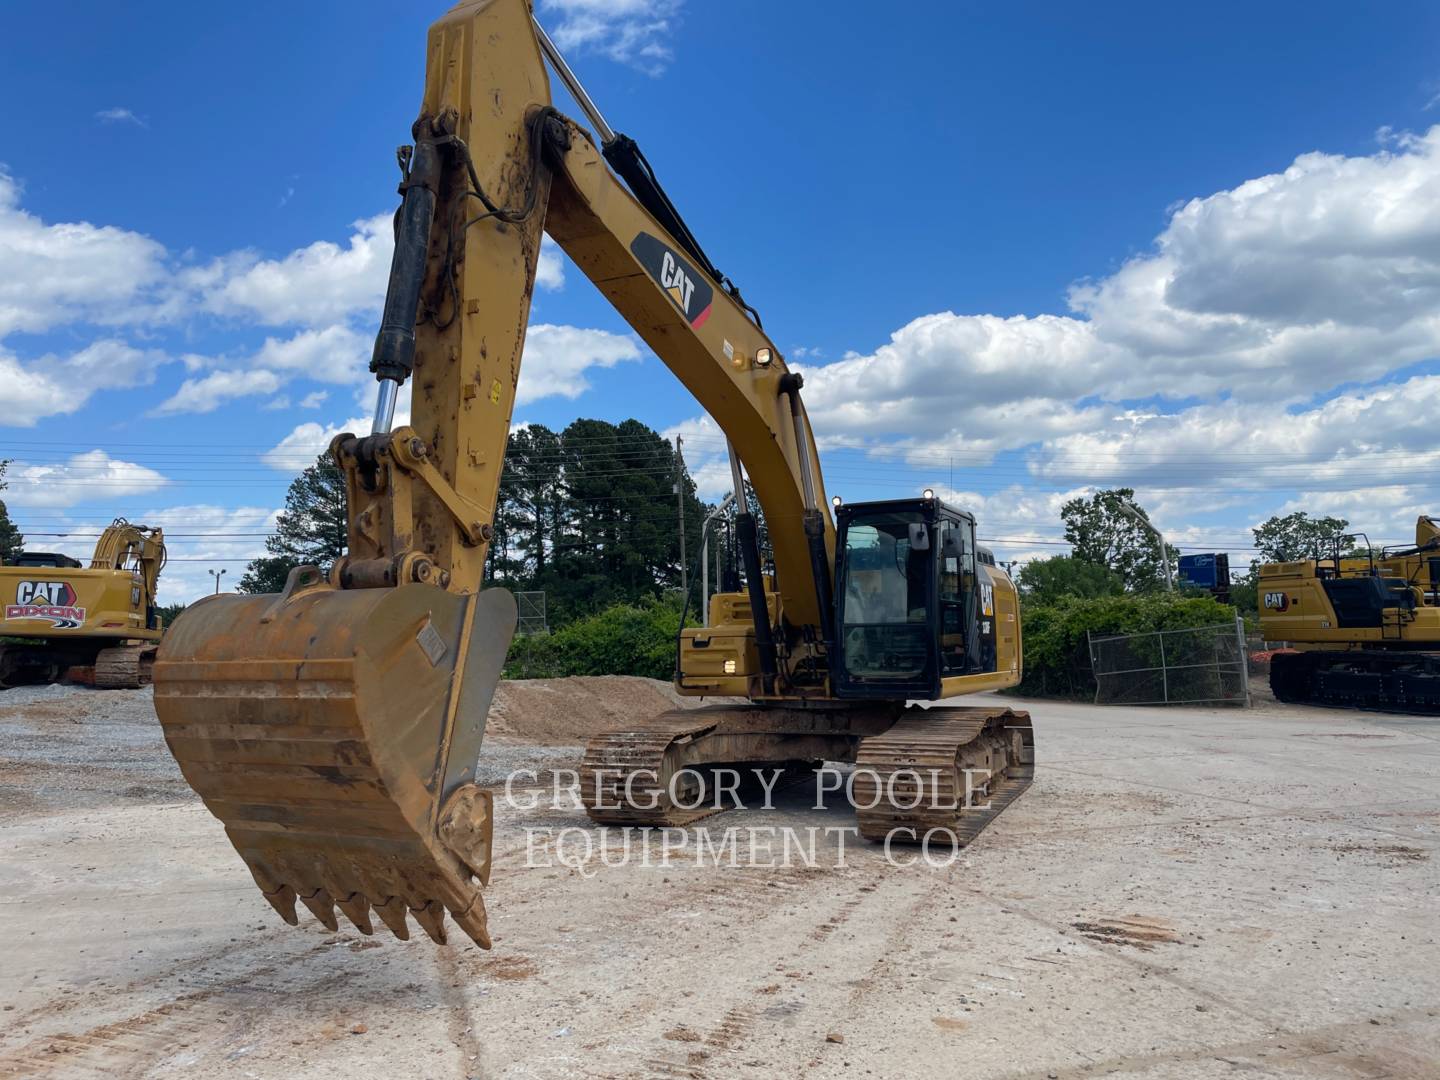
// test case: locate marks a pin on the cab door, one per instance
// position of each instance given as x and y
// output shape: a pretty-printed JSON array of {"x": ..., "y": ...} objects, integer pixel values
[{"x": 958, "y": 597}]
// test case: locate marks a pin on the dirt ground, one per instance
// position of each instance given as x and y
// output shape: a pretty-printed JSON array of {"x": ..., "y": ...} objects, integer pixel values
[{"x": 1184, "y": 893}]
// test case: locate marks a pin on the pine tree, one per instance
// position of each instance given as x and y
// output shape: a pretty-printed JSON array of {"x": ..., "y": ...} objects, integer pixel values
[
  {"x": 310, "y": 531},
  {"x": 11, "y": 542}
]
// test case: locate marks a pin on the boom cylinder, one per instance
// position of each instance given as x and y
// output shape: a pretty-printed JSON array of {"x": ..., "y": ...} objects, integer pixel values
[
  {"x": 394, "y": 355},
  {"x": 814, "y": 519},
  {"x": 747, "y": 535}
]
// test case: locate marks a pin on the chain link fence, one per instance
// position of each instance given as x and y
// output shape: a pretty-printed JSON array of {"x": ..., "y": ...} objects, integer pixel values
[
  {"x": 530, "y": 612},
  {"x": 1198, "y": 665}
]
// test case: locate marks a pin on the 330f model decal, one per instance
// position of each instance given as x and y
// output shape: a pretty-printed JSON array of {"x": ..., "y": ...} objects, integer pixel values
[
  {"x": 51, "y": 600},
  {"x": 683, "y": 284}
]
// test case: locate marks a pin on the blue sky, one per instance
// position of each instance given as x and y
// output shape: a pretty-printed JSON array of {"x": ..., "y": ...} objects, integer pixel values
[{"x": 1020, "y": 251}]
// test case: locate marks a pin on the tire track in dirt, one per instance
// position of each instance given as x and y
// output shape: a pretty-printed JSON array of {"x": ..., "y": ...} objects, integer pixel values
[
  {"x": 127, "y": 1046},
  {"x": 459, "y": 1027},
  {"x": 715, "y": 1052},
  {"x": 180, "y": 965}
]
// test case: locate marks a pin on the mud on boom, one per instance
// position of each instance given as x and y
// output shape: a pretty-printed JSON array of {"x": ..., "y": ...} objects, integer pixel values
[{"x": 334, "y": 728}]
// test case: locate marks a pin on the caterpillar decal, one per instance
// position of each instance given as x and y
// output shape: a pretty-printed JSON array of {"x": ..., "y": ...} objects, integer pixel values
[
  {"x": 682, "y": 283},
  {"x": 52, "y": 600}
]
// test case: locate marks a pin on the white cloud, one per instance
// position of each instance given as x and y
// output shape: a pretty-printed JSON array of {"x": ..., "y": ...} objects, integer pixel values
[
  {"x": 550, "y": 269},
  {"x": 994, "y": 382},
  {"x": 706, "y": 459},
  {"x": 119, "y": 116},
  {"x": 335, "y": 354},
  {"x": 326, "y": 283},
  {"x": 91, "y": 476},
  {"x": 557, "y": 357},
  {"x": 1385, "y": 512},
  {"x": 1253, "y": 301},
  {"x": 1373, "y": 432},
  {"x": 634, "y": 32},
  {"x": 314, "y": 400},
  {"x": 205, "y": 537},
  {"x": 555, "y": 364},
  {"x": 307, "y": 441},
  {"x": 315, "y": 285},
  {"x": 56, "y": 386},
  {"x": 209, "y": 393},
  {"x": 53, "y": 274}
]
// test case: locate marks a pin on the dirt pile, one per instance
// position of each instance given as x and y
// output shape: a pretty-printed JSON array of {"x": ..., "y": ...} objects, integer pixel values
[{"x": 566, "y": 712}]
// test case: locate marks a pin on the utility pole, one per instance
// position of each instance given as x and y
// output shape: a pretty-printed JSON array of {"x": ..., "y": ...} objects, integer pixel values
[
  {"x": 217, "y": 575},
  {"x": 680, "y": 510},
  {"x": 1159, "y": 537}
]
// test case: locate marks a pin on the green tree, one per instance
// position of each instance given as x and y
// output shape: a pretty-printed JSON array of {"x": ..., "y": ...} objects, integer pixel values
[
  {"x": 1296, "y": 536},
  {"x": 310, "y": 531},
  {"x": 11, "y": 542},
  {"x": 534, "y": 479},
  {"x": 168, "y": 613},
  {"x": 1100, "y": 532},
  {"x": 622, "y": 639},
  {"x": 1044, "y": 581},
  {"x": 612, "y": 534},
  {"x": 1245, "y": 596}
]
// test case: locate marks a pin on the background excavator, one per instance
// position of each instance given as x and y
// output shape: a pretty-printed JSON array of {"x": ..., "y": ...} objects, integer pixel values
[
  {"x": 335, "y": 727},
  {"x": 1366, "y": 629},
  {"x": 62, "y": 618}
]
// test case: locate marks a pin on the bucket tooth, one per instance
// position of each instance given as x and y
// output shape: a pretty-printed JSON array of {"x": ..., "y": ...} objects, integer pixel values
[
  {"x": 357, "y": 909},
  {"x": 472, "y": 921},
  {"x": 432, "y": 918},
  {"x": 283, "y": 901},
  {"x": 322, "y": 906},
  {"x": 392, "y": 914}
]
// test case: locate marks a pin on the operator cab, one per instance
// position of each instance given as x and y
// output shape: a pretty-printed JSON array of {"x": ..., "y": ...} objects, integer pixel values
[
  {"x": 913, "y": 599},
  {"x": 45, "y": 558}
]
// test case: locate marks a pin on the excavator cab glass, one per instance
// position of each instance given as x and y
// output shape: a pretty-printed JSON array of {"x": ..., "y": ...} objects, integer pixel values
[{"x": 905, "y": 598}]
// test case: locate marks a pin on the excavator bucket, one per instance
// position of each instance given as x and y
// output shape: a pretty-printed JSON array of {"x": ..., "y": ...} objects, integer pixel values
[{"x": 335, "y": 734}]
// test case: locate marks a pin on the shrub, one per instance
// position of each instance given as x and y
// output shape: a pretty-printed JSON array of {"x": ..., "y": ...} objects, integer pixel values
[
  {"x": 623, "y": 639},
  {"x": 1057, "y": 648}
]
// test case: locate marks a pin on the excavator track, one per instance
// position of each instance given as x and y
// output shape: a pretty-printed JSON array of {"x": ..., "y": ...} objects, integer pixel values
[
  {"x": 911, "y": 773},
  {"x": 1375, "y": 680},
  {"x": 666, "y": 761},
  {"x": 913, "y": 778},
  {"x": 124, "y": 667},
  {"x": 625, "y": 776}
]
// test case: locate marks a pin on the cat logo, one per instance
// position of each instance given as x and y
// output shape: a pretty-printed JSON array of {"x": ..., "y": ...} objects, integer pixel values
[
  {"x": 51, "y": 600},
  {"x": 683, "y": 284},
  {"x": 1277, "y": 601},
  {"x": 672, "y": 276}
]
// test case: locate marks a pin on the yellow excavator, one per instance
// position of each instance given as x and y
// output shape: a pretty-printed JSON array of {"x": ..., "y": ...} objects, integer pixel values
[
  {"x": 62, "y": 618},
  {"x": 335, "y": 727},
  {"x": 1365, "y": 629}
]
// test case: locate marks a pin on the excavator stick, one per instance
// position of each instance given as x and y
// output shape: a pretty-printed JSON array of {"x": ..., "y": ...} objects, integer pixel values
[{"x": 335, "y": 734}]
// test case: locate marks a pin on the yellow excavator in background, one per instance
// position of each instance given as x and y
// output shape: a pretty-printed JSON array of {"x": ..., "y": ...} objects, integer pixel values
[
  {"x": 63, "y": 619},
  {"x": 1366, "y": 630},
  {"x": 335, "y": 727}
]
